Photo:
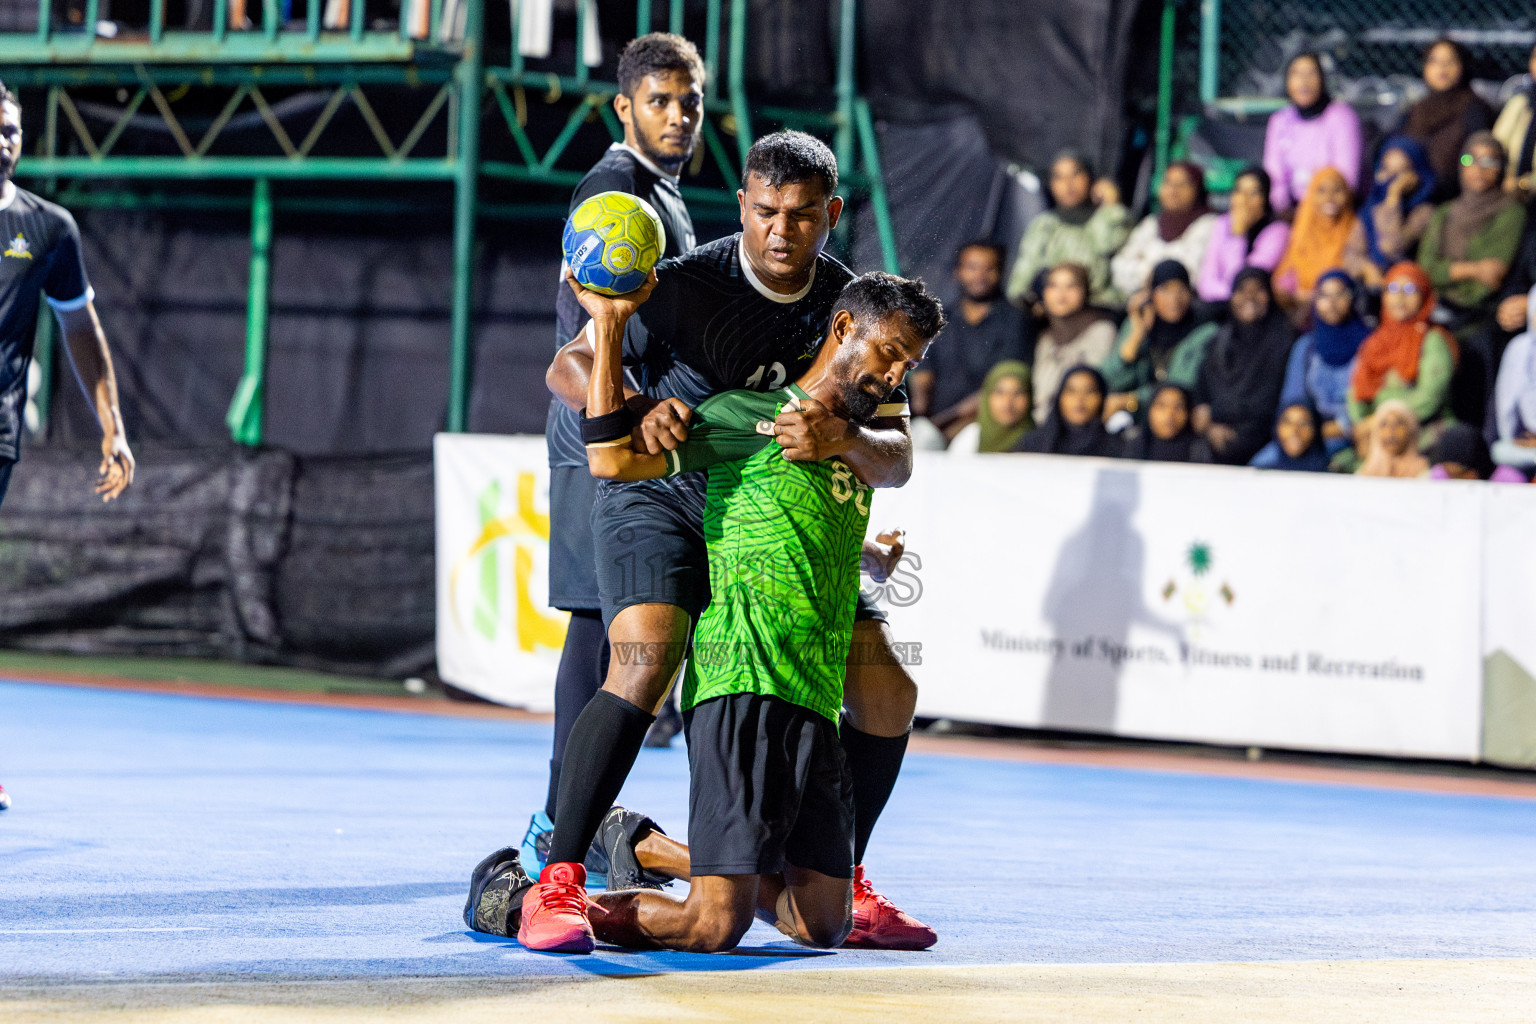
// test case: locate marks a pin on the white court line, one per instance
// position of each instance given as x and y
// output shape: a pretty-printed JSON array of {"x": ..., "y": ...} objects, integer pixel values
[{"x": 89, "y": 931}]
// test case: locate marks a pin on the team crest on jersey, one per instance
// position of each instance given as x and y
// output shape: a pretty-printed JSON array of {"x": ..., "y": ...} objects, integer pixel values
[{"x": 19, "y": 248}]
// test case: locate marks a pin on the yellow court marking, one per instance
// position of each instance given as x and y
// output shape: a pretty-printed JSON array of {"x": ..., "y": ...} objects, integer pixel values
[{"x": 1368, "y": 992}]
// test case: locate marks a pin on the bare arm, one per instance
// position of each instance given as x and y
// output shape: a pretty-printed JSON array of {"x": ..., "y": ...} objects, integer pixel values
[
  {"x": 87, "y": 346},
  {"x": 880, "y": 453},
  {"x": 663, "y": 424},
  {"x": 606, "y": 393}
]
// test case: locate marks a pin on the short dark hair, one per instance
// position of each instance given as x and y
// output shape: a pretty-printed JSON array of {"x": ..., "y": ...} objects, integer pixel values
[
  {"x": 877, "y": 295},
  {"x": 983, "y": 243},
  {"x": 789, "y": 158},
  {"x": 654, "y": 53}
]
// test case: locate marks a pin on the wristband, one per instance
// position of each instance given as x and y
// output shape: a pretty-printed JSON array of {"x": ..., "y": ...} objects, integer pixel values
[{"x": 609, "y": 427}]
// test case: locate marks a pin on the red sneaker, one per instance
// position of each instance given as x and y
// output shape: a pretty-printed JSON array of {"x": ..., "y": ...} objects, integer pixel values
[
  {"x": 5, "y": 799},
  {"x": 555, "y": 912},
  {"x": 878, "y": 923}
]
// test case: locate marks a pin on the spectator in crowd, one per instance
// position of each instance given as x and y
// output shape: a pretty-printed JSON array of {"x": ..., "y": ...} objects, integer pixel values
[
  {"x": 1162, "y": 340},
  {"x": 1180, "y": 230},
  {"x": 1086, "y": 225},
  {"x": 1393, "y": 443},
  {"x": 1247, "y": 235},
  {"x": 1516, "y": 130},
  {"x": 1313, "y": 131},
  {"x": 1472, "y": 240},
  {"x": 1461, "y": 454},
  {"x": 1510, "y": 312},
  {"x": 1443, "y": 120},
  {"x": 1074, "y": 333},
  {"x": 1322, "y": 227},
  {"x": 1322, "y": 360},
  {"x": 1003, "y": 417},
  {"x": 1167, "y": 435},
  {"x": 1298, "y": 441},
  {"x": 1514, "y": 397},
  {"x": 946, "y": 388},
  {"x": 1407, "y": 359},
  {"x": 1075, "y": 425},
  {"x": 1396, "y": 212},
  {"x": 1240, "y": 379}
]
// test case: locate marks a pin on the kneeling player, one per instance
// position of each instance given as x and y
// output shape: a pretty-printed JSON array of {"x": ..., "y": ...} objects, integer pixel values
[{"x": 771, "y": 814}]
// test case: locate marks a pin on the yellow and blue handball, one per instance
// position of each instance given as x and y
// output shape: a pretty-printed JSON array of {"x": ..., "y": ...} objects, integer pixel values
[{"x": 612, "y": 241}]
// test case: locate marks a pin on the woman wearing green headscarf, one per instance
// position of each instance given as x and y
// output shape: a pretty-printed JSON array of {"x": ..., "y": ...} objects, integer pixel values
[{"x": 1003, "y": 416}]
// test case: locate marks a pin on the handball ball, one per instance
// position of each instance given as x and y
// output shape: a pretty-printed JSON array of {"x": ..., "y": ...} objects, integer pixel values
[{"x": 612, "y": 241}]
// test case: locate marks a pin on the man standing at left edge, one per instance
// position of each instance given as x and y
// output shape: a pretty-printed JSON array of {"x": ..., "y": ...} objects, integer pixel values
[
  {"x": 661, "y": 105},
  {"x": 41, "y": 254}
]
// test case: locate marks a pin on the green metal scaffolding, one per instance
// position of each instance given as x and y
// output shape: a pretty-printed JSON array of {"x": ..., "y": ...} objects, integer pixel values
[{"x": 437, "y": 51}]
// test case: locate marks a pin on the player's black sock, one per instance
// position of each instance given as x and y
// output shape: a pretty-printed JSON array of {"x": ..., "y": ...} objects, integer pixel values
[
  {"x": 600, "y": 752},
  {"x": 874, "y": 762},
  {"x": 583, "y": 666}
]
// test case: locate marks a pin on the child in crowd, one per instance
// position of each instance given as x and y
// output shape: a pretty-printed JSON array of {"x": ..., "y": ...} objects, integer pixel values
[{"x": 1167, "y": 435}]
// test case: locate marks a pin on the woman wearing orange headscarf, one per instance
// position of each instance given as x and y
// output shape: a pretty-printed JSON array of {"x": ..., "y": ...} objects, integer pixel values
[
  {"x": 1407, "y": 358},
  {"x": 1324, "y": 220}
]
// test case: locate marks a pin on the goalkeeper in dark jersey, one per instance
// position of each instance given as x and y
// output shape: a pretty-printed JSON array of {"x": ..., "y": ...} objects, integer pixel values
[{"x": 771, "y": 801}]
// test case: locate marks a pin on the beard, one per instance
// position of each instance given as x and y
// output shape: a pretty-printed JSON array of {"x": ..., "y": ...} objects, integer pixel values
[
  {"x": 862, "y": 396},
  {"x": 651, "y": 147}
]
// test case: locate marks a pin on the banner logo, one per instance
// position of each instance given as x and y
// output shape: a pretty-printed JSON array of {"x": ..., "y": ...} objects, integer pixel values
[
  {"x": 524, "y": 530},
  {"x": 1196, "y": 589}
]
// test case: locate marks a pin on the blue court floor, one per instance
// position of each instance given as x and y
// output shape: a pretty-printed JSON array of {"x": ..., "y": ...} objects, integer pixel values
[{"x": 158, "y": 836}]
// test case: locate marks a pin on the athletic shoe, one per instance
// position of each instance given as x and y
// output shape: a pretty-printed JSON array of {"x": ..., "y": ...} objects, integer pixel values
[
  {"x": 5, "y": 799},
  {"x": 496, "y": 890},
  {"x": 554, "y": 918},
  {"x": 535, "y": 850},
  {"x": 880, "y": 924},
  {"x": 620, "y": 831}
]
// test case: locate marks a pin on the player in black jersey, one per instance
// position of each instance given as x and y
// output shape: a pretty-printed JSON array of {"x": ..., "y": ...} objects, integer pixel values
[
  {"x": 661, "y": 104},
  {"x": 40, "y": 254},
  {"x": 748, "y": 311}
]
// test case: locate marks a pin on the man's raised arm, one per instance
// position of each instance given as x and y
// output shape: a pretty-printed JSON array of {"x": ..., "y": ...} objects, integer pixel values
[
  {"x": 608, "y": 421},
  {"x": 661, "y": 425}
]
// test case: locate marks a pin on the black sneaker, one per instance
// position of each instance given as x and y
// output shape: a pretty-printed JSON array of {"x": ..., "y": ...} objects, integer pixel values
[
  {"x": 496, "y": 890},
  {"x": 618, "y": 834}
]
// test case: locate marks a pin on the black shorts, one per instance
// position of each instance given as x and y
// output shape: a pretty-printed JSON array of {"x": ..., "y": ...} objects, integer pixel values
[
  {"x": 572, "y": 568},
  {"x": 768, "y": 786},
  {"x": 5, "y": 476},
  {"x": 648, "y": 541},
  {"x": 648, "y": 538}
]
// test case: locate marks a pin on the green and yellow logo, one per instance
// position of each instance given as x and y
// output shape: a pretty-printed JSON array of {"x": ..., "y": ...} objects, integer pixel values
[{"x": 522, "y": 530}]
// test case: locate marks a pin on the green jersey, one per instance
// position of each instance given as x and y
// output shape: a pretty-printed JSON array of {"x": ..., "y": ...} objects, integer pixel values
[{"x": 784, "y": 540}]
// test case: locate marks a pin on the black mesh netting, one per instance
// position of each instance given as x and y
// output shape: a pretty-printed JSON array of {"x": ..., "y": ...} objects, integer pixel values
[{"x": 259, "y": 556}]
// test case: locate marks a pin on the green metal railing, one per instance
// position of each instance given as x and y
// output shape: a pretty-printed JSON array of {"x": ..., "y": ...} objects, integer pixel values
[{"x": 72, "y": 162}]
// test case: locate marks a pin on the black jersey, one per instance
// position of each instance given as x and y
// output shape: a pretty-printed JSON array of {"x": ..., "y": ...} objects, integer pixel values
[
  {"x": 711, "y": 326},
  {"x": 39, "y": 253},
  {"x": 620, "y": 170}
]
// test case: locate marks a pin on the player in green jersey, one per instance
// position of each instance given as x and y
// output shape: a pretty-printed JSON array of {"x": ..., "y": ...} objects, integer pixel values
[{"x": 770, "y": 805}]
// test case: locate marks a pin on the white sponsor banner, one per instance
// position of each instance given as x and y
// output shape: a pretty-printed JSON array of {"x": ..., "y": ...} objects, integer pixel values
[
  {"x": 1201, "y": 603},
  {"x": 496, "y": 634},
  {"x": 1165, "y": 601},
  {"x": 1510, "y": 542}
]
